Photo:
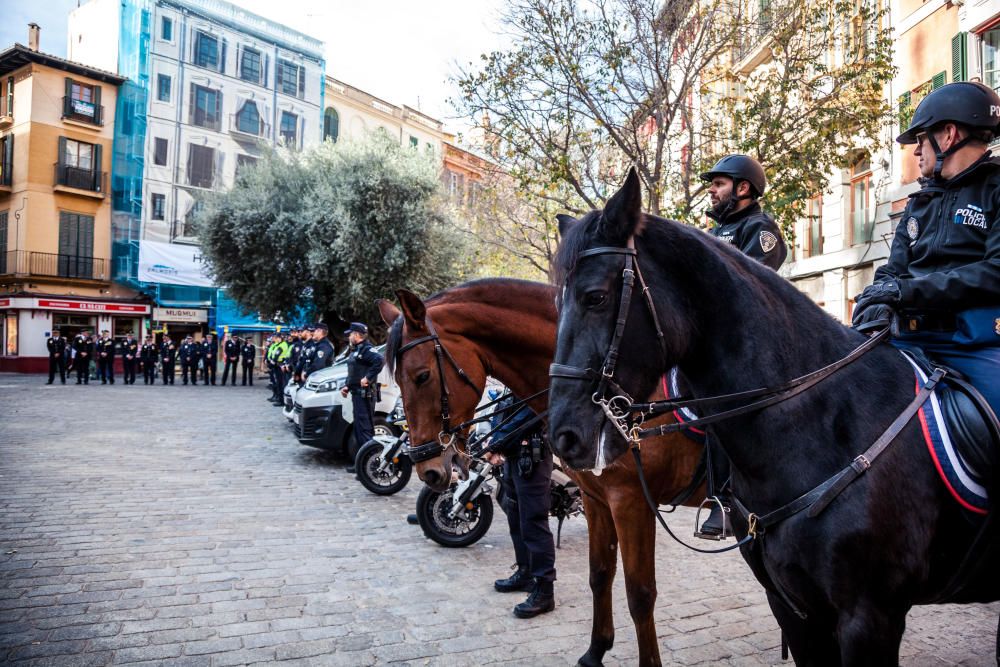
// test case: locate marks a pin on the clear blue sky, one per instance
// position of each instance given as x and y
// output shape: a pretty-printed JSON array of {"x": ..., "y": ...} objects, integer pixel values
[{"x": 399, "y": 50}]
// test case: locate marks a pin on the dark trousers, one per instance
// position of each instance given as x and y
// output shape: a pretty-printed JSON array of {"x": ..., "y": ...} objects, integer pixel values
[
  {"x": 230, "y": 364},
  {"x": 279, "y": 383},
  {"x": 208, "y": 371},
  {"x": 248, "y": 374},
  {"x": 980, "y": 365},
  {"x": 168, "y": 372},
  {"x": 82, "y": 366},
  {"x": 148, "y": 372},
  {"x": 106, "y": 369},
  {"x": 128, "y": 370},
  {"x": 526, "y": 503},
  {"x": 364, "y": 416},
  {"x": 189, "y": 368},
  {"x": 57, "y": 362}
]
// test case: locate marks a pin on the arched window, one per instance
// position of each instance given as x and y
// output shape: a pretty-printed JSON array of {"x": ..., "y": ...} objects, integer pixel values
[
  {"x": 331, "y": 124},
  {"x": 248, "y": 119}
]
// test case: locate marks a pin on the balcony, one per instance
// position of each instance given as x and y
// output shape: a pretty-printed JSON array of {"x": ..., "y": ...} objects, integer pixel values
[
  {"x": 74, "y": 180},
  {"x": 82, "y": 112},
  {"x": 52, "y": 265},
  {"x": 6, "y": 114}
]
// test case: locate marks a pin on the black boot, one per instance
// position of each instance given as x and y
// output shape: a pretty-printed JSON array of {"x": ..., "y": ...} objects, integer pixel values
[
  {"x": 519, "y": 581},
  {"x": 716, "y": 522},
  {"x": 542, "y": 600}
]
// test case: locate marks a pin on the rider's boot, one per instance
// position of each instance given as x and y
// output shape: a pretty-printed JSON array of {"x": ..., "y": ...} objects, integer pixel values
[
  {"x": 541, "y": 601},
  {"x": 519, "y": 581},
  {"x": 717, "y": 521}
]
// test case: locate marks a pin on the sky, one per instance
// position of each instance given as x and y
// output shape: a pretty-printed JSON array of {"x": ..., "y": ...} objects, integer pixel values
[{"x": 403, "y": 52}]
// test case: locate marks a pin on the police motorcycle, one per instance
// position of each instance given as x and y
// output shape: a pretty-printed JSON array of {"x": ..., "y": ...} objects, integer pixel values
[
  {"x": 462, "y": 515},
  {"x": 382, "y": 464}
]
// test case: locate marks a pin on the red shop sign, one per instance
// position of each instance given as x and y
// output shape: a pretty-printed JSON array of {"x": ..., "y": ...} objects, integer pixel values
[{"x": 90, "y": 306}]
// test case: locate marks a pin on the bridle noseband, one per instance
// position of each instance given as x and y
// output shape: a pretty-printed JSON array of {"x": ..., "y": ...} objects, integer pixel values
[
  {"x": 617, "y": 408},
  {"x": 446, "y": 436}
]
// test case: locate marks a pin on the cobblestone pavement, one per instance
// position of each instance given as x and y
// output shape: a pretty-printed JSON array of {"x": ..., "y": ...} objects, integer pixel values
[{"x": 186, "y": 525}]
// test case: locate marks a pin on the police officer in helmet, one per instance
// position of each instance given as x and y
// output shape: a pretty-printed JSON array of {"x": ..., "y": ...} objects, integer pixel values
[
  {"x": 736, "y": 182},
  {"x": 942, "y": 278}
]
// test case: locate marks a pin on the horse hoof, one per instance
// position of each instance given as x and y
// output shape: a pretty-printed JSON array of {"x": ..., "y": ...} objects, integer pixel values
[{"x": 589, "y": 661}]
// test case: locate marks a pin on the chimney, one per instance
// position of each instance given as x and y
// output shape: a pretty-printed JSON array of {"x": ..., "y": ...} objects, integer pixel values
[{"x": 33, "y": 34}]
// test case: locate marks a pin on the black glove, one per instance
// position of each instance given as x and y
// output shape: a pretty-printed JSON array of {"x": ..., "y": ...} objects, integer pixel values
[
  {"x": 886, "y": 291},
  {"x": 873, "y": 317}
]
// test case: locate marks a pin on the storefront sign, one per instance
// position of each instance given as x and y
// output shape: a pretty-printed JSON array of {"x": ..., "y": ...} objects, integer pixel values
[
  {"x": 180, "y": 315},
  {"x": 172, "y": 263},
  {"x": 4, "y": 303},
  {"x": 92, "y": 306}
]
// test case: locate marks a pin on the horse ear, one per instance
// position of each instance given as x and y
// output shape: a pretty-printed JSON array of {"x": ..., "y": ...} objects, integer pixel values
[
  {"x": 566, "y": 223},
  {"x": 388, "y": 311},
  {"x": 623, "y": 212},
  {"x": 414, "y": 310}
]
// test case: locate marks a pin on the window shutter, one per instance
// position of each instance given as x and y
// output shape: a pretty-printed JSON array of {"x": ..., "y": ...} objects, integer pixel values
[
  {"x": 939, "y": 80},
  {"x": 279, "y": 74},
  {"x": 6, "y": 174},
  {"x": 267, "y": 62},
  {"x": 98, "y": 183},
  {"x": 222, "y": 57},
  {"x": 190, "y": 164},
  {"x": 98, "y": 112},
  {"x": 218, "y": 110},
  {"x": 905, "y": 113},
  {"x": 193, "y": 104},
  {"x": 69, "y": 87},
  {"x": 86, "y": 236},
  {"x": 959, "y": 55},
  {"x": 302, "y": 82},
  {"x": 239, "y": 63},
  {"x": 220, "y": 161},
  {"x": 62, "y": 153}
]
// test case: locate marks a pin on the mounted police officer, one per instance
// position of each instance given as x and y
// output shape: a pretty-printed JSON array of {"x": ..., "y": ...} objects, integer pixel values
[
  {"x": 130, "y": 357},
  {"x": 363, "y": 367},
  {"x": 248, "y": 353},
  {"x": 168, "y": 356},
  {"x": 209, "y": 358},
  {"x": 231, "y": 353},
  {"x": 736, "y": 182},
  {"x": 147, "y": 356},
  {"x": 56, "y": 345},
  {"x": 188, "y": 355},
  {"x": 106, "y": 358},
  {"x": 527, "y": 476},
  {"x": 943, "y": 274}
]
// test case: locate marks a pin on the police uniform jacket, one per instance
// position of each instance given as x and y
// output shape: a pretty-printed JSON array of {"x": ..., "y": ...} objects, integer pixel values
[
  {"x": 293, "y": 359},
  {"x": 363, "y": 362},
  {"x": 56, "y": 346},
  {"x": 946, "y": 251},
  {"x": 168, "y": 352},
  {"x": 188, "y": 353},
  {"x": 147, "y": 354},
  {"x": 232, "y": 350},
  {"x": 501, "y": 442},
  {"x": 305, "y": 357},
  {"x": 130, "y": 347},
  {"x": 248, "y": 353},
  {"x": 209, "y": 350},
  {"x": 84, "y": 345},
  {"x": 106, "y": 347},
  {"x": 753, "y": 232},
  {"x": 320, "y": 356}
]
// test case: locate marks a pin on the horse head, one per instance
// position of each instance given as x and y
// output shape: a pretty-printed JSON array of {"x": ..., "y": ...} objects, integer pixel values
[
  {"x": 601, "y": 364},
  {"x": 438, "y": 395}
]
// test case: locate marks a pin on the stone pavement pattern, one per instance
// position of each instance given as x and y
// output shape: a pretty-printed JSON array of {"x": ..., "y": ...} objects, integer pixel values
[{"x": 186, "y": 526}]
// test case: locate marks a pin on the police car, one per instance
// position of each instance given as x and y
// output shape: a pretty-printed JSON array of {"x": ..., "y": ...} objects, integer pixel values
[{"x": 323, "y": 418}]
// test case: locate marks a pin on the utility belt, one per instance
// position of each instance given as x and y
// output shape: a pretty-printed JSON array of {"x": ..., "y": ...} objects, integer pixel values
[
  {"x": 972, "y": 327},
  {"x": 529, "y": 455},
  {"x": 371, "y": 392}
]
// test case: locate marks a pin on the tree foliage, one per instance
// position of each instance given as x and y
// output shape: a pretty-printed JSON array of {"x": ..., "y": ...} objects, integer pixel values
[{"x": 332, "y": 229}]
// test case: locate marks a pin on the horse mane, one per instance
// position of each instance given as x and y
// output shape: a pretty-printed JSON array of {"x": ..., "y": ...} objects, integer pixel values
[{"x": 488, "y": 290}]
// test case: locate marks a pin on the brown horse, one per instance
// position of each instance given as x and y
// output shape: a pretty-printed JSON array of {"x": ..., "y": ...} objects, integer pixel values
[{"x": 506, "y": 329}]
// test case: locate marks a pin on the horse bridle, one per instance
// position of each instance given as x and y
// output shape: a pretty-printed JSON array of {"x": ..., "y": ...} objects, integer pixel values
[
  {"x": 618, "y": 407},
  {"x": 446, "y": 436}
]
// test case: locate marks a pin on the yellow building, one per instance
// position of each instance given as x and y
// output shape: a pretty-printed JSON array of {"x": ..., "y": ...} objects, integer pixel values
[{"x": 56, "y": 133}]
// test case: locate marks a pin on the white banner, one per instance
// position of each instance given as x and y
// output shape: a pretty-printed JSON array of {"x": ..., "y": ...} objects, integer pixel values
[
  {"x": 172, "y": 263},
  {"x": 180, "y": 315}
]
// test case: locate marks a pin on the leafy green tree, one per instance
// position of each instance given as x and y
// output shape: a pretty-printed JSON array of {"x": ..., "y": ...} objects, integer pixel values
[{"x": 333, "y": 229}]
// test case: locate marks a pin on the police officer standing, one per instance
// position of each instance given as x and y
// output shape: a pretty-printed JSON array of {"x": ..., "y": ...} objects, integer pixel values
[
  {"x": 130, "y": 356},
  {"x": 736, "y": 182},
  {"x": 305, "y": 353},
  {"x": 248, "y": 353},
  {"x": 363, "y": 367},
  {"x": 188, "y": 354},
  {"x": 231, "y": 354},
  {"x": 83, "y": 345},
  {"x": 943, "y": 274},
  {"x": 106, "y": 358},
  {"x": 527, "y": 475},
  {"x": 209, "y": 357},
  {"x": 56, "y": 345},
  {"x": 168, "y": 357},
  {"x": 147, "y": 356}
]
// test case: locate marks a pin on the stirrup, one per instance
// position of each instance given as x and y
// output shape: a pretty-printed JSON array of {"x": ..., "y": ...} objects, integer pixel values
[{"x": 725, "y": 533}]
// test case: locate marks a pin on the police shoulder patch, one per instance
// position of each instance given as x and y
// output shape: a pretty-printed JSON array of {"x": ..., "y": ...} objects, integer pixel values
[
  {"x": 768, "y": 241},
  {"x": 912, "y": 228},
  {"x": 320, "y": 353},
  {"x": 996, "y": 326}
]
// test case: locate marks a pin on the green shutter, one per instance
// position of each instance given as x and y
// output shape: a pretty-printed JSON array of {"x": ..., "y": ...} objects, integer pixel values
[
  {"x": 939, "y": 80},
  {"x": 98, "y": 112},
  {"x": 7, "y": 167},
  {"x": 959, "y": 57},
  {"x": 62, "y": 155},
  {"x": 905, "y": 111},
  {"x": 98, "y": 181}
]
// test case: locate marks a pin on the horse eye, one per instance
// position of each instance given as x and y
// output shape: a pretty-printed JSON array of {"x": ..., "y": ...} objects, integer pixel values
[
  {"x": 594, "y": 299},
  {"x": 423, "y": 377}
]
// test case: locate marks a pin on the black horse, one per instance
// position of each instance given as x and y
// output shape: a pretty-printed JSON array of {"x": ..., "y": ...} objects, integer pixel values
[{"x": 840, "y": 583}]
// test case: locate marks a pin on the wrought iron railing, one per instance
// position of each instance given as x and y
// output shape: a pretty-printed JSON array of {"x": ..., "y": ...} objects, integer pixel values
[
  {"x": 52, "y": 265},
  {"x": 84, "y": 111},
  {"x": 82, "y": 179}
]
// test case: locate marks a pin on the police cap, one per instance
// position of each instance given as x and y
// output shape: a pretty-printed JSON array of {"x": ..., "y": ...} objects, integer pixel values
[
  {"x": 319, "y": 326},
  {"x": 357, "y": 327},
  {"x": 739, "y": 167},
  {"x": 964, "y": 102}
]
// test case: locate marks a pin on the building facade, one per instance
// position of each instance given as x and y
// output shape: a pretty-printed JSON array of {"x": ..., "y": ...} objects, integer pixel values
[
  {"x": 209, "y": 85},
  {"x": 56, "y": 133}
]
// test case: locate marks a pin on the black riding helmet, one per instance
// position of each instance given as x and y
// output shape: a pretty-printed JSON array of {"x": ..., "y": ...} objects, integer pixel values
[
  {"x": 967, "y": 103},
  {"x": 740, "y": 168}
]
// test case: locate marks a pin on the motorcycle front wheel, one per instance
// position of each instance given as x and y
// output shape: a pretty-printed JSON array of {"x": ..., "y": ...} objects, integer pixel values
[
  {"x": 387, "y": 482},
  {"x": 468, "y": 527}
]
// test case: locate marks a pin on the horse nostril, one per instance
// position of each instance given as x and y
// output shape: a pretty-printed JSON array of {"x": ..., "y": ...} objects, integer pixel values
[
  {"x": 432, "y": 477},
  {"x": 566, "y": 444}
]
